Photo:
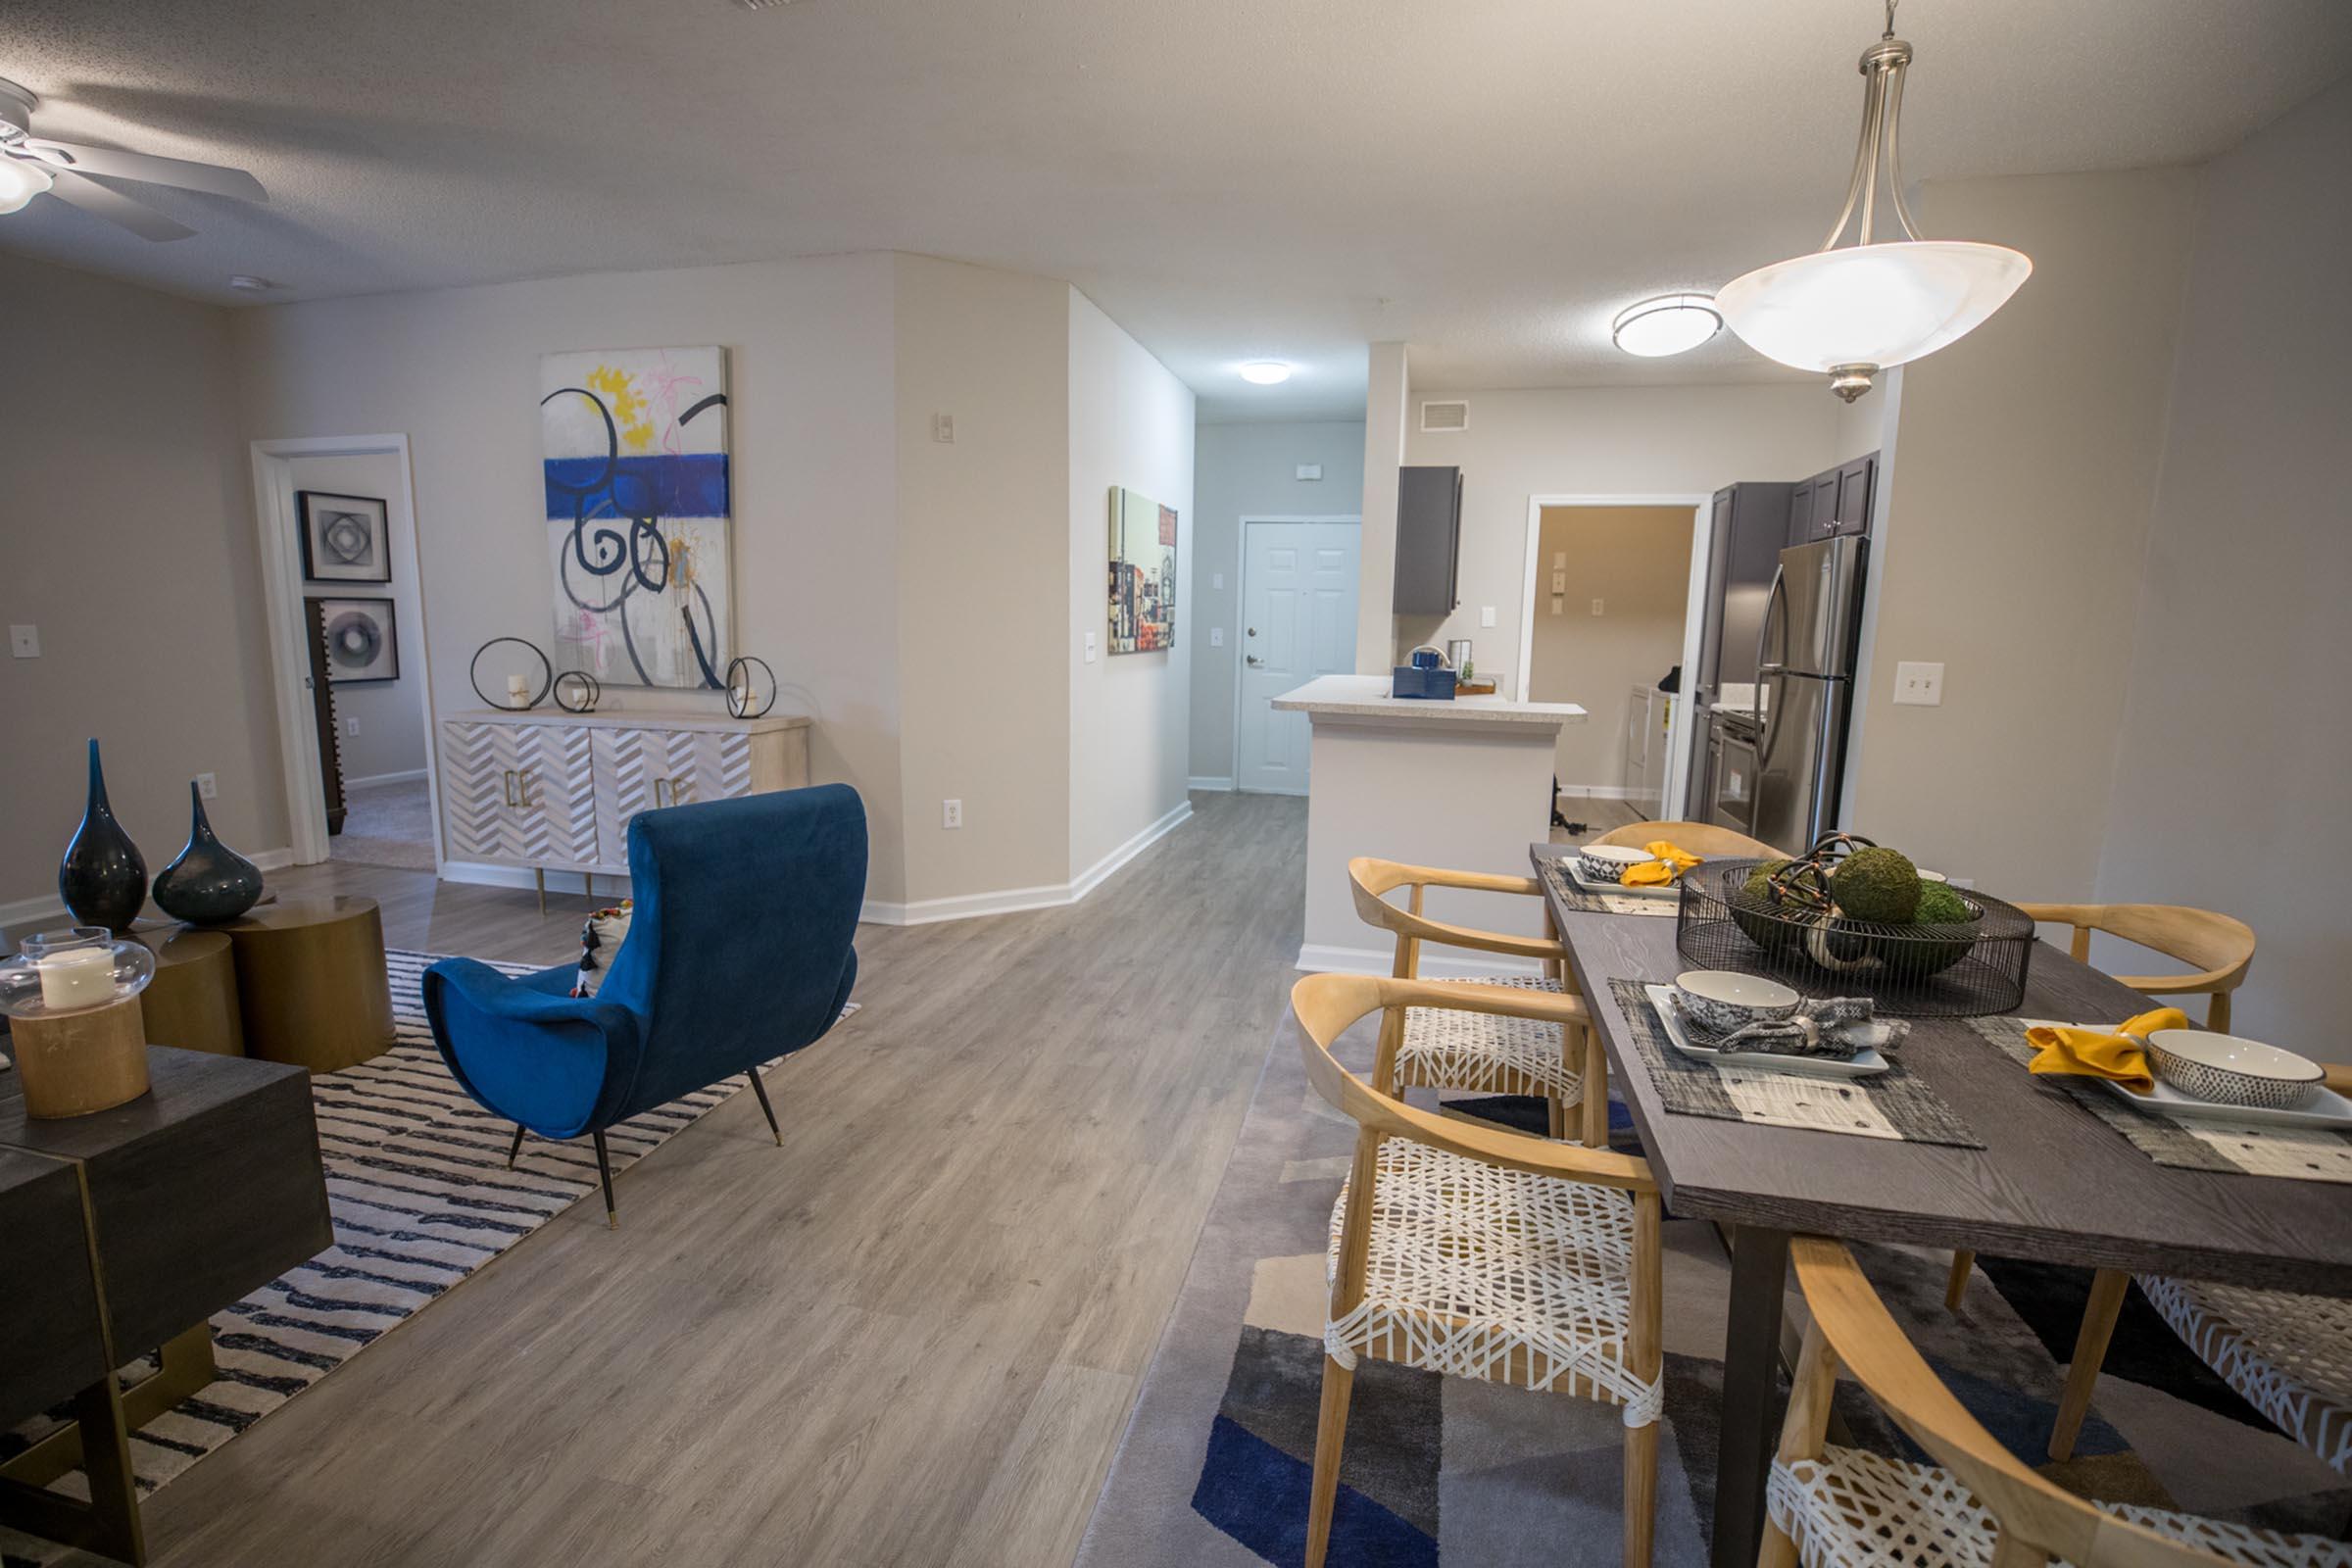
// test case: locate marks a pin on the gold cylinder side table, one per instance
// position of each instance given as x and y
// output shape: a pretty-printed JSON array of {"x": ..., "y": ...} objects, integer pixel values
[
  {"x": 311, "y": 983},
  {"x": 192, "y": 1001}
]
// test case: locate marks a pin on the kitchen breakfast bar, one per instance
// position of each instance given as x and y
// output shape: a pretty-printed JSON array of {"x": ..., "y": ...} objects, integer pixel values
[{"x": 1465, "y": 782}]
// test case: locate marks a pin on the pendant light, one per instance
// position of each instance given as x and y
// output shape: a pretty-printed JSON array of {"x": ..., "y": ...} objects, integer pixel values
[{"x": 1853, "y": 311}]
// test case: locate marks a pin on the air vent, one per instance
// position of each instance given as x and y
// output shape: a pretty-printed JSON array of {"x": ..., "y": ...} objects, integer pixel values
[{"x": 1453, "y": 415}]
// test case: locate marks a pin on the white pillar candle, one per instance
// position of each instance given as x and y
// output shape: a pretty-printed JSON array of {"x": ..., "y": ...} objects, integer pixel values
[
  {"x": 78, "y": 977},
  {"x": 519, "y": 690}
]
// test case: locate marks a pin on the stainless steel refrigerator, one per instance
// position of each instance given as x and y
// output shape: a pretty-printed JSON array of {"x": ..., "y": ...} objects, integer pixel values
[{"x": 1805, "y": 690}]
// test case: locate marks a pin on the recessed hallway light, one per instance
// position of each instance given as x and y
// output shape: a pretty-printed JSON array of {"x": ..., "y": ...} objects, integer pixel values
[{"x": 1265, "y": 372}]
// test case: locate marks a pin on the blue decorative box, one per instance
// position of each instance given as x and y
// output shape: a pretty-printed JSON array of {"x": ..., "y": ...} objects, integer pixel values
[{"x": 1412, "y": 681}]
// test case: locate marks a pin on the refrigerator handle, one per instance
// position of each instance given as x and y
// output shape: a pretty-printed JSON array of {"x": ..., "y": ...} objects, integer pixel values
[{"x": 1768, "y": 675}]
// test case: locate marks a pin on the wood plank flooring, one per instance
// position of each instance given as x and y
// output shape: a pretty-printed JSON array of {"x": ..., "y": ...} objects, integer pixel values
[{"x": 909, "y": 1337}]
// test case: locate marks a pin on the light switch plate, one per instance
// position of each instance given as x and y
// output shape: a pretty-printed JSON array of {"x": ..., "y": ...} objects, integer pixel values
[
  {"x": 1596, "y": 606},
  {"x": 1216, "y": 636},
  {"x": 1558, "y": 605},
  {"x": 1310, "y": 470},
  {"x": 943, "y": 428},
  {"x": 25, "y": 642},
  {"x": 207, "y": 787},
  {"x": 1216, "y": 580},
  {"x": 1919, "y": 685},
  {"x": 1090, "y": 646},
  {"x": 1486, "y": 615},
  {"x": 351, "y": 723}
]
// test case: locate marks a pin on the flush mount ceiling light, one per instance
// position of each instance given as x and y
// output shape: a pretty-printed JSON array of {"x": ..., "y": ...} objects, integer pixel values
[
  {"x": 1265, "y": 372},
  {"x": 1670, "y": 324},
  {"x": 1854, "y": 312}
]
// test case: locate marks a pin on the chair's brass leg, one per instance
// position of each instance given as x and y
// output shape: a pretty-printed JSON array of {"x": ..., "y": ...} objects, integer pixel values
[{"x": 539, "y": 880}]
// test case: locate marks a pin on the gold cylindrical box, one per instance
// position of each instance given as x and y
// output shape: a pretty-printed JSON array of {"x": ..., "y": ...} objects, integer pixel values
[{"x": 73, "y": 1063}]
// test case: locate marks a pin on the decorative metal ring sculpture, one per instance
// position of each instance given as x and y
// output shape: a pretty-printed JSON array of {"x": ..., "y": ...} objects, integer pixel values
[
  {"x": 743, "y": 699},
  {"x": 545, "y": 683},
  {"x": 579, "y": 692}
]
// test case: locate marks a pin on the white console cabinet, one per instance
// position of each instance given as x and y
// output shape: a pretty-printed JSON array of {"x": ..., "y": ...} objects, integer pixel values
[{"x": 551, "y": 791}]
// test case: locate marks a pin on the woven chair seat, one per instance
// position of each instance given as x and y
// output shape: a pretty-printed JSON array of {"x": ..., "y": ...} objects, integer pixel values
[
  {"x": 1851, "y": 1510},
  {"x": 1480, "y": 1050},
  {"x": 2288, "y": 1356},
  {"x": 1477, "y": 1271}
]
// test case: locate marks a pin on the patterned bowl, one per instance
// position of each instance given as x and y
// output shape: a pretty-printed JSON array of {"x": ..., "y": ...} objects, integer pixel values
[
  {"x": 2229, "y": 1071},
  {"x": 1721, "y": 1000},
  {"x": 1608, "y": 862}
]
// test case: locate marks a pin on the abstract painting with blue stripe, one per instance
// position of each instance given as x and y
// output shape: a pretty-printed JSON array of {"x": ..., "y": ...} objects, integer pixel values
[{"x": 638, "y": 491}]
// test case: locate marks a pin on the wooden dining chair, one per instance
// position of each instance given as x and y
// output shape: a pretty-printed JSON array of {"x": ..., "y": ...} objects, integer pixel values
[
  {"x": 1977, "y": 1505},
  {"x": 1699, "y": 838},
  {"x": 1471, "y": 1251},
  {"x": 2221, "y": 949},
  {"x": 1487, "y": 1053}
]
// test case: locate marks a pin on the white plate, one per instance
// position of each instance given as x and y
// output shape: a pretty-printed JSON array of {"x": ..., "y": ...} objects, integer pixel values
[
  {"x": 2324, "y": 1111},
  {"x": 1862, "y": 1064},
  {"x": 1576, "y": 874}
]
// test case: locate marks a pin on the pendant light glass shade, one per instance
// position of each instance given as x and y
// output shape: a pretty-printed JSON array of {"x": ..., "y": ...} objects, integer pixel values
[
  {"x": 1853, "y": 312},
  {"x": 1871, "y": 305}
]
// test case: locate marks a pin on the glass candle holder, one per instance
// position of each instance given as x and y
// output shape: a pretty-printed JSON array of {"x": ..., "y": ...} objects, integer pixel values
[{"x": 79, "y": 1037}]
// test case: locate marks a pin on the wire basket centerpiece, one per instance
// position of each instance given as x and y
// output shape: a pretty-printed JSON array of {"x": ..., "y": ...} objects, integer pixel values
[{"x": 1851, "y": 918}]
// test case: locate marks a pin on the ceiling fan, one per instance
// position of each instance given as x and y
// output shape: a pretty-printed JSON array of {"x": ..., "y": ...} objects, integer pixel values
[{"x": 31, "y": 165}]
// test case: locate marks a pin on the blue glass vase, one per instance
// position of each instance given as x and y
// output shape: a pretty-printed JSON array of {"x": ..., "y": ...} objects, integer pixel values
[
  {"x": 102, "y": 878},
  {"x": 210, "y": 883}
]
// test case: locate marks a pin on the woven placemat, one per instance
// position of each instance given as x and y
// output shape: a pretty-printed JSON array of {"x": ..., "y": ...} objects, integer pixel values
[
  {"x": 1889, "y": 1105},
  {"x": 1579, "y": 902},
  {"x": 2251, "y": 1149}
]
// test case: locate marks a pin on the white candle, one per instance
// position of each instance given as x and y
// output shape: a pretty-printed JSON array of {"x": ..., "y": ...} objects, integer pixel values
[
  {"x": 78, "y": 977},
  {"x": 519, "y": 690}
]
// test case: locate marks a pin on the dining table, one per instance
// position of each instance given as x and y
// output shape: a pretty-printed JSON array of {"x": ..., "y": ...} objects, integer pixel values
[{"x": 2053, "y": 1183}]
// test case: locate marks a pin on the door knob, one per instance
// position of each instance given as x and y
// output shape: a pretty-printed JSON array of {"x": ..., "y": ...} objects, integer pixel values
[
  {"x": 1254, "y": 631},
  {"x": 1254, "y": 660}
]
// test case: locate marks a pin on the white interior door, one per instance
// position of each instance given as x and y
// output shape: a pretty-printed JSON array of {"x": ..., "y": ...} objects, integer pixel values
[{"x": 1298, "y": 622}]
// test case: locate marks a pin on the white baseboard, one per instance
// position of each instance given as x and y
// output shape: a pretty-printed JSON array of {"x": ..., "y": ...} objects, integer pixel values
[
  {"x": 1599, "y": 792},
  {"x": 1012, "y": 900},
  {"x": 49, "y": 907},
  {"x": 485, "y": 873},
  {"x": 410, "y": 776},
  {"x": 1435, "y": 965},
  {"x": 1225, "y": 784}
]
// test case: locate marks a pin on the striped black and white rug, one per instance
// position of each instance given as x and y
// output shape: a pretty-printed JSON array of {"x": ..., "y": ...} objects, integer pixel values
[{"x": 417, "y": 1182}]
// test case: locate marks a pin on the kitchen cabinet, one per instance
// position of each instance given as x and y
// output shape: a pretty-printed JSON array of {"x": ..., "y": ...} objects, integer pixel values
[
  {"x": 1834, "y": 502},
  {"x": 1751, "y": 526},
  {"x": 1429, "y": 538}
]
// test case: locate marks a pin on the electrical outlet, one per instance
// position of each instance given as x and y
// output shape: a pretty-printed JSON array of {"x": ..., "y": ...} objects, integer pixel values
[
  {"x": 25, "y": 642},
  {"x": 1919, "y": 685},
  {"x": 950, "y": 814},
  {"x": 1486, "y": 615},
  {"x": 207, "y": 786},
  {"x": 1560, "y": 559},
  {"x": 1216, "y": 636},
  {"x": 1216, "y": 580},
  {"x": 351, "y": 724},
  {"x": 1596, "y": 606},
  {"x": 1090, "y": 646},
  {"x": 943, "y": 428},
  {"x": 1558, "y": 605},
  {"x": 1310, "y": 470},
  {"x": 1559, "y": 582}
]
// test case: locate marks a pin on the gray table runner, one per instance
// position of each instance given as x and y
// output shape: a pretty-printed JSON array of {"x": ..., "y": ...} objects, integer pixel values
[
  {"x": 1891, "y": 1105},
  {"x": 2301, "y": 1153},
  {"x": 1578, "y": 900}
]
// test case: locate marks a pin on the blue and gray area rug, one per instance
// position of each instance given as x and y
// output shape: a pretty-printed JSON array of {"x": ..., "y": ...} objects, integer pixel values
[
  {"x": 417, "y": 1184},
  {"x": 1214, "y": 1467}
]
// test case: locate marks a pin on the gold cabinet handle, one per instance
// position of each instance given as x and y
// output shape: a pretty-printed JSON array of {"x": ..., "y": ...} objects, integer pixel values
[
  {"x": 506, "y": 787},
  {"x": 657, "y": 783}
]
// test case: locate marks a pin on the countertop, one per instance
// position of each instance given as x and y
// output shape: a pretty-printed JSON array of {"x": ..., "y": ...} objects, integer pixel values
[{"x": 1367, "y": 696}]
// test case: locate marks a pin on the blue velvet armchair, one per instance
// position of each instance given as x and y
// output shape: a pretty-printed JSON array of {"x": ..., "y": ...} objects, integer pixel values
[{"x": 739, "y": 952}]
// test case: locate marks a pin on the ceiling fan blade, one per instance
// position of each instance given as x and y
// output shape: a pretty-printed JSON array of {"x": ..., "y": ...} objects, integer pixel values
[
  {"x": 156, "y": 171},
  {"x": 115, "y": 208}
]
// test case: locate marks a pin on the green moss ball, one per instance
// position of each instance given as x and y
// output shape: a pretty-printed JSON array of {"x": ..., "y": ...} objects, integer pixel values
[
  {"x": 1876, "y": 884},
  {"x": 1938, "y": 904}
]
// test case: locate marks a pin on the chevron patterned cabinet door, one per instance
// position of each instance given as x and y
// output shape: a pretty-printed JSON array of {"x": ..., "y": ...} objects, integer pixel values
[
  {"x": 558, "y": 822},
  {"x": 477, "y": 763},
  {"x": 626, "y": 762}
]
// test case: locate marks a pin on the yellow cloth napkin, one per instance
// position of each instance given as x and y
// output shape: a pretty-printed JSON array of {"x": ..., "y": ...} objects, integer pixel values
[
  {"x": 2097, "y": 1053},
  {"x": 1671, "y": 862}
]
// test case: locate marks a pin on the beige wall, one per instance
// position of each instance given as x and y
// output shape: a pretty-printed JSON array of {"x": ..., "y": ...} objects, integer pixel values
[
  {"x": 1637, "y": 562},
  {"x": 813, "y": 422},
  {"x": 1251, "y": 470},
  {"x": 1131, "y": 424},
  {"x": 2231, "y": 775},
  {"x": 2015, "y": 533},
  {"x": 1604, "y": 441},
  {"x": 982, "y": 576},
  {"x": 390, "y": 713},
  {"x": 127, "y": 535},
  {"x": 1388, "y": 405}
]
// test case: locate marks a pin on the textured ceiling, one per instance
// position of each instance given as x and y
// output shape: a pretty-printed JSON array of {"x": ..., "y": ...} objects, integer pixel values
[{"x": 1228, "y": 178}]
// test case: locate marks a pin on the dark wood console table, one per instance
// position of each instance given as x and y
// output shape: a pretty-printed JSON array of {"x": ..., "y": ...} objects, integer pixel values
[{"x": 124, "y": 1231}]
